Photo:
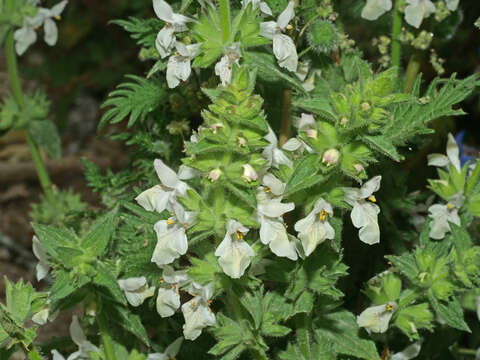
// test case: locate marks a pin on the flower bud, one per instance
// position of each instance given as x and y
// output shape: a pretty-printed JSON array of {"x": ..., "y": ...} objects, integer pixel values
[
  {"x": 365, "y": 106},
  {"x": 344, "y": 121},
  {"x": 214, "y": 175},
  {"x": 216, "y": 126},
  {"x": 358, "y": 167},
  {"x": 249, "y": 173},
  {"x": 330, "y": 157},
  {"x": 241, "y": 141},
  {"x": 312, "y": 133}
]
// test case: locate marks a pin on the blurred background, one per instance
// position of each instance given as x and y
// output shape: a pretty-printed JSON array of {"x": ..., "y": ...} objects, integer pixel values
[{"x": 92, "y": 56}]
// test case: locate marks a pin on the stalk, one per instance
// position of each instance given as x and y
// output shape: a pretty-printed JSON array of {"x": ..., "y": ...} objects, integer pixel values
[
  {"x": 42, "y": 173},
  {"x": 225, "y": 19},
  {"x": 285, "y": 120},
  {"x": 396, "y": 29},
  {"x": 412, "y": 70},
  {"x": 106, "y": 337}
]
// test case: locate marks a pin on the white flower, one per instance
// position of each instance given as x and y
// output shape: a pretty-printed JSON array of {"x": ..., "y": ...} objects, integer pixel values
[
  {"x": 197, "y": 312},
  {"x": 249, "y": 173},
  {"x": 364, "y": 214},
  {"x": 40, "y": 253},
  {"x": 178, "y": 67},
  {"x": 410, "y": 352},
  {"x": 283, "y": 46},
  {"x": 168, "y": 299},
  {"x": 170, "y": 352},
  {"x": 234, "y": 255},
  {"x": 272, "y": 229},
  {"x": 171, "y": 236},
  {"x": 452, "y": 157},
  {"x": 41, "y": 317},
  {"x": 417, "y": 10},
  {"x": 373, "y": 9},
  {"x": 161, "y": 197},
  {"x": 442, "y": 214},
  {"x": 264, "y": 8},
  {"x": 314, "y": 229},
  {"x": 452, "y": 5},
  {"x": 273, "y": 154},
  {"x": 224, "y": 67},
  {"x": 165, "y": 41},
  {"x": 136, "y": 290},
  {"x": 330, "y": 157},
  {"x": 305, "y": 122},
  {"x": 376, "y": 318},
  {"x": 79, "y": 338},
  {"x": 273, "y": 185},
  {"x": 26, "y": 36}
]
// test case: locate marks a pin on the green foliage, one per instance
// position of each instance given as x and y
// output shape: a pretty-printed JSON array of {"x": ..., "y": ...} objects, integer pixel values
[
  {"x": 135, "y": 99},
  {"x": 143, "y": 31},
  {"x": 322, "y": 36}
]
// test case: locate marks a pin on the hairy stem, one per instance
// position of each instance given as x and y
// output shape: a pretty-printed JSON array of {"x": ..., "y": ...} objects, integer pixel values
[
  {"x": 106, "y": 337},
  {"x": 396, "y": 29},
  {"x": 412, "y": 70},
  {"x": 285, "y": 120},
  {"x": 18, "y": 95},
  {"x": 225, "y": 18}
]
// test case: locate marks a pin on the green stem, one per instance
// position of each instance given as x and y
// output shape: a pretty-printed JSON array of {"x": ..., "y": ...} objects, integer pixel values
[
  {"x": 304, "y": 52},
  {"x": 396, "y": 29},
  {"x": 225, "y": 19},
  {"x": 285, "y": 120},
  {"x": 106, "y": 337},
  {"x": 18, "y": 95},
  {"x": 463, "y": 351},
  {"x": 412, "y": 70}
]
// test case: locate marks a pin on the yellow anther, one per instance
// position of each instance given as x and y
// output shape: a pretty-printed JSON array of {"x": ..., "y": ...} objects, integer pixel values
[
  {"x": 58, "y": 17},
  {"x": 389, "y": 307},
  {"x": 323, "y": 215},
  {"x": 209, "y": 302},
  {"x": 372, "y": 198},
  {"x": 194, "y": 304},
  {"x": 160, "y": 280},
  {"x": 449, "y": 206},
  {"x": 289, "y": 27},
  {"x": 239, "y": 235},
  {"x": 267, "y": 189},
  {"x": 170, "y": 221}
]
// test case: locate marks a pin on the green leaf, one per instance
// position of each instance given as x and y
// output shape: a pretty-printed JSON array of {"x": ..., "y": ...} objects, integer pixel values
[
  {"x": 137, "y": 98},
  {"x": 460, "y": 238},
  {"x": 204, "y": 271},
  {"x": 229, "y": 334},
  {"x": 451, "y": 313},
  {"x": 245, "y": 195},
  {"x": 304, "y": 303},
  {"x": 473, "y": 179},
  {"x": 64, "y": 285},
  {"x": 341, "y": 329},
  {"x": 106, "y": 279},
  {"x": 52, "y": 238},
  {"x": 406, "y": 263},
  {"x": 318, "y": 106},
  {"x": 100, "y": 233},
  {"x": 45, "y": 134},
  {"x": 128, "y": 320},
  {"x": 384, "y": 146},
  {"x": 268, "y": 69},
  {"x": 304, "y": 175},
  {"x": 144, "y": 31}
]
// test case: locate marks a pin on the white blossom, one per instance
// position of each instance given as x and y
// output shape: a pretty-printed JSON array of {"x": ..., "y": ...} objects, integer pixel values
[
  {"x": 284, "y": 48},
  {"x": 26, "y": 35},
  {"x": 410, "y": 352},
  {"x": 452, "y": 5},
  {"x": 170, "y": 352},
  {"x": 79, "y": 338},
  {"x": 305, "y": 122},
  {"x": 376, "y": 318},
  {"x": 364, "y": 214},
  {"x": 264, "y": 8},
  {"x": 330, "y": 157},
  {"x": 224, "y": 67},
  {"x": 171, "y": 236},
  {"x": 249, "y": 173},
  {"x": 178, "y": 67},
  {"x": 40, "y": 253},
  {"x": 234, "y": 254},
  {"x": 452, "y": 157},
  {"x": 417, "y": 10},
  {"x": 315, "y": 229},
  {"x": 373, "y": 9},
  {"x": 273, "y": 154},
  {"x": 165, "y": 41},
  {"x": 168, "y": 299},
  {"x": 272, "y": 228},
  {"x": 443, "y": 214},
  {"x": 41, "y": 317},
  {"x": 136, "y": 290},
  {"x": 197, "y": 312},
  {"x": 161, "y": 197}
]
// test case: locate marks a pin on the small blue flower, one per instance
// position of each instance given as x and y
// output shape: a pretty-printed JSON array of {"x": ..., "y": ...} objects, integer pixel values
[{"x": 459, "y": 139}]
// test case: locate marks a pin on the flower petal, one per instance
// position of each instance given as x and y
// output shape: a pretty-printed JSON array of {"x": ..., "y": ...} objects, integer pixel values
[
  {"x": 168, "y": 302},
  {"x": 163, "y": 10},
  {"x": 285, "y": 51},
  {"x": 154, "y": 199},
  {"x": 286, "y": 16},
  {"x": 373, "y": 9},
  {"x": 453, "y": 152},
  {"x": 376, "y": 318}
]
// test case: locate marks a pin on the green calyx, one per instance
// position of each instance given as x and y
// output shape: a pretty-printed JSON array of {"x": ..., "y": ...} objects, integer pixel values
[{"x": 322, "y": 36}]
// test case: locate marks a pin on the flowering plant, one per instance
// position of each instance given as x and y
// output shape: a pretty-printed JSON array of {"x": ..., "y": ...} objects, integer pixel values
[{"x": 235, "y": 244}]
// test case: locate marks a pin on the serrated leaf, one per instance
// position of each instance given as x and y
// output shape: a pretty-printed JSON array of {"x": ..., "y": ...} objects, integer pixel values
[
  {"x": 45, "y": 135},
  {"x": 318, "y": 106},
  {"x": 100, "y": 233},
  {"x": 384, "y": 146},
  {"x": 64, "y": 285},
  {"x": 304, "y": 303},
  {"x": 243, "y": 194},
  {"x": 105, "y": 278},
  {"x": 342, "y": 331},
  {"x": 128, "y": 320},
  {"x": 406, "y": 264},
  {"x": 451, "y": 313},
  {"x": 304, "y": 175},
  {"x": 460, "y": 238},
  {"x": 51, "y": 238},
  {"x": 275, "y": 330}
]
